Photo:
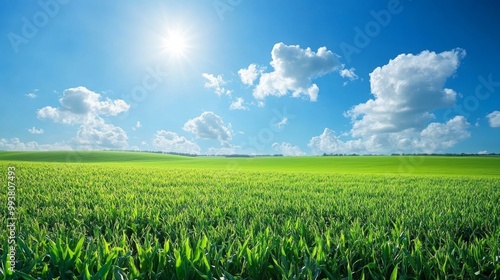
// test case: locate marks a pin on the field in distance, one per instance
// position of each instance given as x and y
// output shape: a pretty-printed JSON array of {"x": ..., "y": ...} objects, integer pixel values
[{"x": 389, "y": 165}]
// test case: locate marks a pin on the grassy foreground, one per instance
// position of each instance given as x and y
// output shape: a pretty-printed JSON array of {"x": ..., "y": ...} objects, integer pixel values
[{"x": 88, "y": 216}]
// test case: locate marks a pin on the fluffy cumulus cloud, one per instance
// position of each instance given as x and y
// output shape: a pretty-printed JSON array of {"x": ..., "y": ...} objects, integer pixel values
[
  {"x": 15, "y": 144},
  {"x": 398, "y": 119},
  {"x": 225, "y": 150},
  {"x": 250, "y": 74},
  {"x": 294, "y": 70},
  {"x": 288, "y": 149},
  {"x": 237, "y": 104},
  {"x": 329, "y": 142},
  {"x": 406, "y": 91},
  {"x": 99, "y": 135},
  {"x": 436, "y": 137},
  {"x": 168, "y": 141},
  {"x": 494, "y": 118},
  {"x": 441, "y": 136},
  {"x": 209, "y": 126},
  {"x": 216, "y": 83},
  {"x": 87, "y": 108},
  {"x": 80, "y": 104}
]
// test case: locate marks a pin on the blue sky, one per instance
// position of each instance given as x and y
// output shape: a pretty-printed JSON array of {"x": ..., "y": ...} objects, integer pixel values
[{"x": 256, "y": 77}]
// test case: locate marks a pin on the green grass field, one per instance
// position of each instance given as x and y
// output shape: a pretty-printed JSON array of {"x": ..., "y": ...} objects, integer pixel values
[
  {"x": 119, "y": 215},
  {"x": 401, "y": 165}
]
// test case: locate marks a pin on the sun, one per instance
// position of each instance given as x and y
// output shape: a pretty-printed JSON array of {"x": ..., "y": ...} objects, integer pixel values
[{"x": 176, "y": 43}]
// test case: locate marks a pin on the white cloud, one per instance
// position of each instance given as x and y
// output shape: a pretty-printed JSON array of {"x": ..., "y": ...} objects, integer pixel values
[
  {"x": 216, "y": 83},
  {"x": 294, "y": 70},
  {"x": 209, "y": 126},
  {"x": 84, "y": 107},
  {"x": 349, "y": 73},
  {"x": 441, "y": 136},
  {"x": 79, "y": 105},
  {"x": 484, "y": 152},
  {"x": 406, "y": 91},
  {"x": 282, "y": 123},
  {"x": 328, "y": 142},
  {"x": 100, "y": 135},
  {"x": 227, "y": 150},
  {"x": 168, "y": 141},
  {"x": 54, "y": 114},
  {"x": 32, "y": 94},
  {"x": 80, "y": 101},
  {"x": 436, "y": 137},
  {"x": 137, "y": 125},
  {"x": 250, "y": 74},
  {"x": 15, "y": 144},
  {"x": 34, "y": 130},
  {"x": 494, "y": 118},
  {"x": 237, "y": 104},
  {"x": 288, "y": 149}
]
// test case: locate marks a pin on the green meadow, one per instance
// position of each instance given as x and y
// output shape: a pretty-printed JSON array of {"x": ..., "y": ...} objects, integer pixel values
[
  {"x": 401, "y": 165},
  {"x": 131, "y": 215}
]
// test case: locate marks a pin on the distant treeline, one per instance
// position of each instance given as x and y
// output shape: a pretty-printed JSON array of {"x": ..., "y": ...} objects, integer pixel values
[
  {"x": 415, "y": 154},
  {"x": 160, "y": 152},
  {"x": 196, "y": 155},
  {"x": 236, "y": 155},
  {"x": 325, "y": 154}
]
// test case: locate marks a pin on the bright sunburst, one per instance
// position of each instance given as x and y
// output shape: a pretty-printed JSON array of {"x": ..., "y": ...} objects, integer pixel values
[{"x": 176, "y": 43}]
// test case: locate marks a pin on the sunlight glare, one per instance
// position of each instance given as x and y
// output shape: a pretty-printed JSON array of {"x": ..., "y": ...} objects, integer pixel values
[{"x": 176, "y": 43}]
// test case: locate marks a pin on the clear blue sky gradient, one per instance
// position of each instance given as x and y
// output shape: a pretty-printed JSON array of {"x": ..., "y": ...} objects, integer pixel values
[{"x": 115, "y": 51}]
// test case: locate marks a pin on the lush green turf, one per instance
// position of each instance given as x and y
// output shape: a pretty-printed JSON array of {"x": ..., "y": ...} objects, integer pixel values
[
  {"x": 88, "y": 157},
  {"x": 153, "y": 221},
  {"x": 123, "y": 215},
  {"x": 402, "y": 165}
]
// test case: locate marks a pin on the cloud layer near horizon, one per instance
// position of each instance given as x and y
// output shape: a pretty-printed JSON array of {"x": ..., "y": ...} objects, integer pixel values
[{"x": 86, "y": 108}]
